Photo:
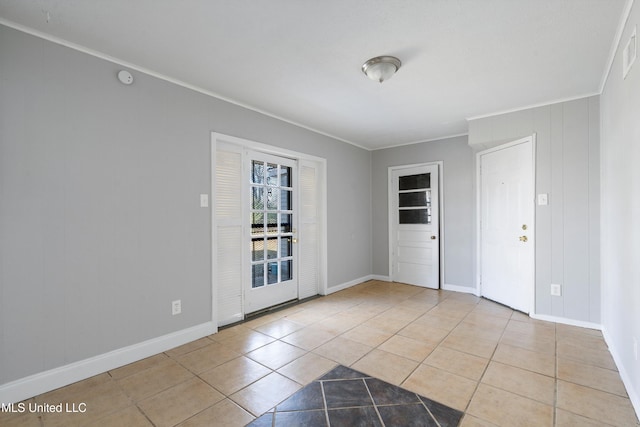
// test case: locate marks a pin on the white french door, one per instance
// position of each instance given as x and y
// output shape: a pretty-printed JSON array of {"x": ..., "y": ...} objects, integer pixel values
[
  {"x": 271, "y": 232},
  {"x": 264, "y": 198},
  {"x": 414, "y": 226},
  {"x": 506, "y": 184}
]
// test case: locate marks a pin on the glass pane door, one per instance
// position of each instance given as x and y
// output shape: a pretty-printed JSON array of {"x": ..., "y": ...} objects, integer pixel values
[
  {"x": 414, "y": 226},
  {"x": 272, "y": 231}
]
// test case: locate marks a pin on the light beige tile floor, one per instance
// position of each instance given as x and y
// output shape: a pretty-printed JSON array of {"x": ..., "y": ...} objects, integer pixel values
[{"x": 498, "y": 366}]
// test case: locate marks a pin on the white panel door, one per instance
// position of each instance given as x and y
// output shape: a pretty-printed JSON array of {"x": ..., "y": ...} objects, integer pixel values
[
  {"x": 415, "y": 226},
  {"x": 271, "y": 233},
  {"x": 507, "y": 224}
]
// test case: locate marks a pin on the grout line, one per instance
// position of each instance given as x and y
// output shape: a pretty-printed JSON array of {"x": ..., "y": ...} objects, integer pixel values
[
  {"x": 324, "y": 402},
  {"x": 487, "y": 366},
  {"x": 375, "y": 406},
  {"x": 429, "y": 412}
]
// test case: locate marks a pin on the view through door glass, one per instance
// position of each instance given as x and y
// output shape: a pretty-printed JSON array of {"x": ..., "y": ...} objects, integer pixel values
[
  {"x": 414, "y": 199},
  {"x": 271, "y": 224}
]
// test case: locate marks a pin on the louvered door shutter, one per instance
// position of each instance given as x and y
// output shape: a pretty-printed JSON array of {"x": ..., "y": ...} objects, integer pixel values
[
  {"x": 229, "y": 266},
  {"x": 308, "y": 223}
]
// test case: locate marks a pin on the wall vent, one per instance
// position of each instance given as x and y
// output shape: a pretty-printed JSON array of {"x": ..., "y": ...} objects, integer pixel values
[{"x": 629, "y": 54}]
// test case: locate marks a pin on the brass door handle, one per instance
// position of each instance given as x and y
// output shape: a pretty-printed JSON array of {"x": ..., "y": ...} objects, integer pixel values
[
  {"x": 294, "y": 240},
  {"x": 523, "y": 238}
]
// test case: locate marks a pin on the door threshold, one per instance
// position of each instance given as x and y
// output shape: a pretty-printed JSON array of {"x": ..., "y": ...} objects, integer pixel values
[{"x": 269, "y": 310}]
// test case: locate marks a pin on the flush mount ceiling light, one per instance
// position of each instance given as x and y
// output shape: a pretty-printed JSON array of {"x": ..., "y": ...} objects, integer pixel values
[{"x": 381, "y": 68}]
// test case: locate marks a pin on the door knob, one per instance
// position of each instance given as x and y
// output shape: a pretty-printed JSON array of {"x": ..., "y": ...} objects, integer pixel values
[
  {"x": 433, "y": 237},
  {"x": 523, "y": 238},
  {"x": 294, "y": 240}
]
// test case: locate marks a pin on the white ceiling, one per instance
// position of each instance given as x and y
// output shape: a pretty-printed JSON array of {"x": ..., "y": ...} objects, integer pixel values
[{"x": 300, "y": 60}]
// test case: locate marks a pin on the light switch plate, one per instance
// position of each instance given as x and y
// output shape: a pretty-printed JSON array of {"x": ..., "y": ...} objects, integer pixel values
[
  {"x": 543, "y": 199},
  {"x": 556, "y": 290},
  {"x": 204, "y": 200}
]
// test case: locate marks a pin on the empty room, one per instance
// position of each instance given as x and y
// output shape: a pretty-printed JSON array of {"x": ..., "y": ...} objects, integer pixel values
[{"x": 337, "y": 213}]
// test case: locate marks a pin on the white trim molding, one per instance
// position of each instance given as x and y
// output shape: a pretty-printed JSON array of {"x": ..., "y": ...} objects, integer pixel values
[
  {"x": 615, "y": 45},
  {"x": 462, "y": 289},
  {"x": 52, "y": 379},
  {"x": 626, "y": 378},
  {"x": 380, "y": 277},
  {"x": 349, "y": 284},
  {"x": 566, "y": 321}
]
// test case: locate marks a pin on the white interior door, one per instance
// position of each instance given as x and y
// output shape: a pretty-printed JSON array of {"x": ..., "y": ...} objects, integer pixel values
[
  {"x": 507, "y": 224},
  {"x": 271, "y": 232},
  {"x": 414, "y": 225}
]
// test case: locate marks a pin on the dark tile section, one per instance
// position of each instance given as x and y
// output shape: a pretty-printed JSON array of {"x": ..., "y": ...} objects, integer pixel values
[
  {"x": 446, "y": 417},
  {"x": 350, "y": 398},
  {"x": 308, "y": 398},
  {"x": 265, "y": 420},
  {"x": 302, "y": 418},
  {"x": 415, "y": 415},
  {"x": 346, "y": 393},
  {"x": 342, "y": 373},
  {"x": 384, "y": 393},
  {"x": 354, "y": 417}
]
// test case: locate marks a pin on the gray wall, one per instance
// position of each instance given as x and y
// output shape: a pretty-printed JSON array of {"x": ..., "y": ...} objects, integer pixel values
[
  {"x": 620, "y": 106},
  {"x": 458, "y": 196},
  {"x": 567, "y": 229},
  {"x": 100, "y": 224}
]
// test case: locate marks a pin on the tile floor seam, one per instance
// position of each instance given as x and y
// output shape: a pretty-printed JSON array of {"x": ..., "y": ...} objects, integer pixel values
[
  {"x": 241, "y": 406},
  {"x": 324, "y": 402},
  {"x": 602, "y": 423},
  {"x": 490, "y": 359},
  {"x": 424, "y": 405},
  {"x": 194, "y": 375},
  {"x": 437, "y": 345},
  {"x": 593, "y": 388},
  {"x": 520, "y": 394},
  {"x": 144, "y": 414},
  {"x": 375, "y": 407}
]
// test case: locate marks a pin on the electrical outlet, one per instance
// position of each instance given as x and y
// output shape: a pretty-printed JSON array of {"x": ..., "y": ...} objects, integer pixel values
[
  {"x": 176, "y": 307},
  {"x": 556, "y": 290}
]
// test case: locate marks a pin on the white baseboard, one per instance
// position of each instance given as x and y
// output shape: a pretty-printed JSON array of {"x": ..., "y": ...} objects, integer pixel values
[
  {"x": 52, "y": 379},
  {"x": 634, "y": 395},
  {"x": 351, "y": 283},
  {"x": 458, "y": 288},
  {"x": 566, "y": 321},
  {"x": 380, "y": 277}
]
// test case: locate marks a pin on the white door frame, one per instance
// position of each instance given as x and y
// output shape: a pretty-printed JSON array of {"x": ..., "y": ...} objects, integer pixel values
[
  {"x": 246, "y": 144},
  {"x": 441, "y": 235},
  {"x": 532, "y": 139}
]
